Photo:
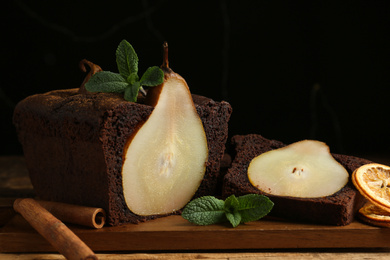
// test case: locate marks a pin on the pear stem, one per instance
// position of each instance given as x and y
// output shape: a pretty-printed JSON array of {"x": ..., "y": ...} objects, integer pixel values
[
  {"x": 93, "y": 69},
  {"x": 165, "y": 57},
  {"x": 165, "y": 64}
]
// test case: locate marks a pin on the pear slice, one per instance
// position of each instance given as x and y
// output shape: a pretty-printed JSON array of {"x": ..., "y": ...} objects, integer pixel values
[
  {"x": 304, "y": 169},
  {"x": 165, "y": 160}
]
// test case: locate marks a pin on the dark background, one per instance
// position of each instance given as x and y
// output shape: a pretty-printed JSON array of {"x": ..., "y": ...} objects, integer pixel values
[{"x": 292, "y": 70}]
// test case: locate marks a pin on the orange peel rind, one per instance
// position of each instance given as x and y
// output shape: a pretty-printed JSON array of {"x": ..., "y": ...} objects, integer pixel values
[
  {"x": 374, "y": 215},
  {"x": 373, "y": 182}
]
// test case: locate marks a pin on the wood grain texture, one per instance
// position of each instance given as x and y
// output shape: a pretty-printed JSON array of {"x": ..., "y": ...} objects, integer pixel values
[
  {"x": 165, "y": 238},
  {"x": 218, "y": 256},
  {"x": 175, "y": 233}
]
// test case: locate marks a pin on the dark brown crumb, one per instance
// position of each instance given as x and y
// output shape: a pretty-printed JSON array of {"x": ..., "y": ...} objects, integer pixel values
[
  {"x": 337, "y": 209},
  {"x": 73, "y": 146}
]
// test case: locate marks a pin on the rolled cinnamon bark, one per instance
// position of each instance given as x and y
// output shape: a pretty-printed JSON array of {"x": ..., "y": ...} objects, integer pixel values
[
  {"x": 85, "y": 216},
  {"x": 53, "y": 230}
]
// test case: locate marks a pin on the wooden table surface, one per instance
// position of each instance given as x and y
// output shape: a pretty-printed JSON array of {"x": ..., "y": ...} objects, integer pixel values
[{"x": 15, "y": 183}]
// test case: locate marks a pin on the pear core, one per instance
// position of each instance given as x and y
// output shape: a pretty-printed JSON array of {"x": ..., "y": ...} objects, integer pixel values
[
  {"x": 165, "y": 161},
  {"x": 304, "y": 169}
]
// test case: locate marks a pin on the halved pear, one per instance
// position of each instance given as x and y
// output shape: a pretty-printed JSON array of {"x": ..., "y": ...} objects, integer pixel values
[
  {"x": 304, "y": 169},
  {"x": 165, "y": 161}
]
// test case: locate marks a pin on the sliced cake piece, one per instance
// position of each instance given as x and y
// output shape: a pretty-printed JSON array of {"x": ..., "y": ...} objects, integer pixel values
[
  {"x": 74, "y": 146},
  {"x": 336, "y": 209}
]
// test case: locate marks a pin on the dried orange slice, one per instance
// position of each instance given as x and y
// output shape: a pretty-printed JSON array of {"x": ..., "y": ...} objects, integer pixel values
[
  {"x": 374, "y": 215},
  {"x": 373, "y": 182}
]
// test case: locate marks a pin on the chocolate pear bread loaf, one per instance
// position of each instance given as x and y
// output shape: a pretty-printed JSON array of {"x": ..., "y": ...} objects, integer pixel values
[
  {"x": 73, "y": 145},
  {"x": 337, "y": 209}
]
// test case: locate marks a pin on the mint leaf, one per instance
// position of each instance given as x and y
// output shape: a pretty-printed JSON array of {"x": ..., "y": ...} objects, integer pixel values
[
  {"x": 234, "y": 218},
  {"x": 132, "y": 78},
  {"x": 210, "y": 210},
  {"x": 205, "y": 210},
  {"x": 106, "y": 81},
  {"x": 127, "y": 81},
  {"x": 231, "y": 204},
  {"x": 126, "y": 59},
  {"x": 131, "y": 92},
  {"x": 153, "y": 76},
  {"x": 231, "y": 207},
  {"x": 253, "y": 207}
]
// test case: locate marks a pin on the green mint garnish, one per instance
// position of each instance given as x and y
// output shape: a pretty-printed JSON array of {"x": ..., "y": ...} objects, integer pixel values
[
  {"x": 209, "y": 210},
  {"x": 205, "y": 211},
  {"x": 127, "y": 81}
]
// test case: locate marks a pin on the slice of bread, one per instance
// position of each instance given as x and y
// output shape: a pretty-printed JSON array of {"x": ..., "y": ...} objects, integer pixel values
[{"x": 338, "y": 209}]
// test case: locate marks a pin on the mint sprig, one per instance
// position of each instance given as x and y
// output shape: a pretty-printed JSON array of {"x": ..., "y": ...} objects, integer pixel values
[
  {"x": 209, "y": 210},
  {"x": 127, "y": 80}
]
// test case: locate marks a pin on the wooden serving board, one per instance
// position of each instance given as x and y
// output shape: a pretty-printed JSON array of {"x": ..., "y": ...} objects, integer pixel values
[{"x": 174, "y": 233}]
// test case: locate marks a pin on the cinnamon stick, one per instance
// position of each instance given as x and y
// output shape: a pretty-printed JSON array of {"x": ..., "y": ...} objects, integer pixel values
[
  {"x": 81, "y": 215},
  {"x": 53, "y": 230}
]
